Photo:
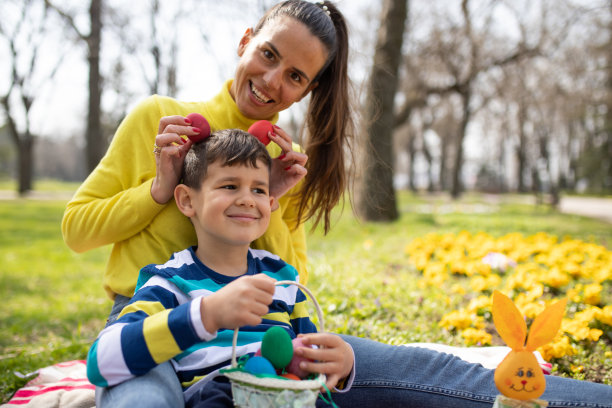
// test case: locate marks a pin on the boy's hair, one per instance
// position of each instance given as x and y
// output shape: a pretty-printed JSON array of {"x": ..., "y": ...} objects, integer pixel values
[{"x": 230, "y": 147}]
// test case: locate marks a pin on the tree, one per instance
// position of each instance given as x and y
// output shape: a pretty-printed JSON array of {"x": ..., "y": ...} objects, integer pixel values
[
  {"x": 94, "y": 135},
  {"x": 376, "y": 200},
  {"x": 27, "y": 78}
]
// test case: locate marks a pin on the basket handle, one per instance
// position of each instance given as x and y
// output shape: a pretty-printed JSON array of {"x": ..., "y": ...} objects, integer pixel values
[{"x": 278, "y": 283}]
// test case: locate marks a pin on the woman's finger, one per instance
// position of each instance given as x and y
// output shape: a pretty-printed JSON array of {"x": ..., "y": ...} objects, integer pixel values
[
  {"x": 282, "y": 139},
  {"x": 172, "y": 120}
]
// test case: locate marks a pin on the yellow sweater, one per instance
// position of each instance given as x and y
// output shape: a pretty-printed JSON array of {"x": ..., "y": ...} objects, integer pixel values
[{"x": 114, "y": 204}]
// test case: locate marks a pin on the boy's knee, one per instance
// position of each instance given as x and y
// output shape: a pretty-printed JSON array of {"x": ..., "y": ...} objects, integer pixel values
[{"x": 158, "y": 388}]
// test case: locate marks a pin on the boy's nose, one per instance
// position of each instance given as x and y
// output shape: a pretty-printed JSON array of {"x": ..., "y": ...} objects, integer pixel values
[{"x": 245, "y": 200}]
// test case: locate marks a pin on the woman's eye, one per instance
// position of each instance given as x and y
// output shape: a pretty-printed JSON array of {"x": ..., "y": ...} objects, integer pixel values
[
  {"x": 296, "y": 77},
  {"x": 268, "y": 54}
]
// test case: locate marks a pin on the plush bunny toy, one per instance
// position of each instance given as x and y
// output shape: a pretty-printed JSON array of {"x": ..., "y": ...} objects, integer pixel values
[{"x": 519, "y": 376}]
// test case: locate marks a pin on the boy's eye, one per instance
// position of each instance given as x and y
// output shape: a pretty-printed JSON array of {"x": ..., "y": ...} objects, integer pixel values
[
  {"x": 259, "y": 191},
  {"x": 229, "y": 186}
]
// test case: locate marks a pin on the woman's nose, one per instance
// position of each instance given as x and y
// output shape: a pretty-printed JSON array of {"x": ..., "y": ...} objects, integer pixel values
[{"x": 272, "y": 78}]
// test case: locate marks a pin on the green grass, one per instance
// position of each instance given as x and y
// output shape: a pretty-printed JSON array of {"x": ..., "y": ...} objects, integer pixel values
[{"x": 54, "y": 304}]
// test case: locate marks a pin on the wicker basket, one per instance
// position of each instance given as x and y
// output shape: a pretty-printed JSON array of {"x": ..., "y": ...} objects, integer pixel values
[{"x": 251, "y": 391}]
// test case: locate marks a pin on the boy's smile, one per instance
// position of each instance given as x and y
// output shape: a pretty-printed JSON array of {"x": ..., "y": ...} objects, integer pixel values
[{"x": 233, "y": 205}]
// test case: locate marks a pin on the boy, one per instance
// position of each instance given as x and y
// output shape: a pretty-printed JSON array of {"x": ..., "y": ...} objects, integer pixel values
[{"x": 186, "y": 310}]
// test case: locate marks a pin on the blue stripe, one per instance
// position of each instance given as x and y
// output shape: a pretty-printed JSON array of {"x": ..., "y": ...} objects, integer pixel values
[
  {"x": 286, "y": 272},
  {"x": 143, "y": 277},
  {"x": 93, "y": 371},
  {"x": 179, "y": 323},
  {"x": 135, "y": 350},
  {"x": 157, "y": 294},
  {"x": 189, "y": 285},
  {"x": 224, "y": 339}
]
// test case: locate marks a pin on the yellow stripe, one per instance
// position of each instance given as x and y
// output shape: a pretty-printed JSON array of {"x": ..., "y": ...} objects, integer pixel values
[
  {"x": 299, "y": 310},
  {"x": 195, "y": 380},
  {"x": 150, "y": 308},
  {"x": 277, "y": 317},
  {"x": 159, "y": 338}
]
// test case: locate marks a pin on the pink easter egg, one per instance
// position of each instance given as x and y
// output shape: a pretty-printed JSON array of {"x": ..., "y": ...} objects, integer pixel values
[{"x": 294, "y": 364}]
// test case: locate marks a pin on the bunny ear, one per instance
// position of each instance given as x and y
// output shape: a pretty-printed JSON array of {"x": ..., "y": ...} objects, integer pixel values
[
  {"x": 546, "y": 325},
  {"x": 508, "y": 321}
]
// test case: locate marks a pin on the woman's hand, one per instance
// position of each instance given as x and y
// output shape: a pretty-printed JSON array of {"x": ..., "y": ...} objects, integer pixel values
[
  {"x": 170, "y": 153},
  {"x": 334, "y": 357},
  {"x": 241, "y": 303},
  {"x": 288, "y": 168}
]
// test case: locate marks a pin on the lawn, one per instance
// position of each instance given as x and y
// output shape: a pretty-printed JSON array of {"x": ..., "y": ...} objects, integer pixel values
[{"x": 362, "y": 276}]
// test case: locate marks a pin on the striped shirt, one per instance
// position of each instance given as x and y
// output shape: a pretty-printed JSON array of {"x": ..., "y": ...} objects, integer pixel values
[{"x": 162, "y": 321}]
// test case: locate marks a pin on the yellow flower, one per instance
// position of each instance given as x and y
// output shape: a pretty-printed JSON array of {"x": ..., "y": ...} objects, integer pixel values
[
  {"x": 478, "y": 304},
  {"x": 476, "y": 337},
  {"x": 457, "y": 319},
  {"x": 555, "y": 278},
  {"x": 592, "y": 294},
  {"x": 558, "y": 348},
  {"x": 605, "y": 315}
]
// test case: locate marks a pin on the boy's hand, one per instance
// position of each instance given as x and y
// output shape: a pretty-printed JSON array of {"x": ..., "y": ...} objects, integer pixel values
[
  {"x": 334, "y": 357},
  {"x": 241, "y": 303}
]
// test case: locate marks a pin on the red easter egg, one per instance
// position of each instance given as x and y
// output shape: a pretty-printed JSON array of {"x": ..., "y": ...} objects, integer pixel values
[
  {"x": 200, "y": 122},
  {"x": 260, "y": 130},
  {"x": 294, "y": 364},
  {"x": 291, "y": 376}
]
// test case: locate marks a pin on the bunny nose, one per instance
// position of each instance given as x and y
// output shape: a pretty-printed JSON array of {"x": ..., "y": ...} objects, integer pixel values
[{"x": 523, "y": 382}]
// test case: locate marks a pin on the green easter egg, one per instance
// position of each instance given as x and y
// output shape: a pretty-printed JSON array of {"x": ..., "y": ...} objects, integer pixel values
[{"x": 276, "y": 346}]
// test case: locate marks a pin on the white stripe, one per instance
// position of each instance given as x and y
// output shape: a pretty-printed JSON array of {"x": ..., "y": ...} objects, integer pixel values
[
  {"x": 111, "y": 363},
  {"x": 210, "y": 356},
  {"x": 180, "y": 258},
  {"x": 169, "y": 286},
  {"x": 286, "y": 293},
  {"x": 196, "y": 320},
  {"x": 200, "y": 292},
  {"x": 262, "y": 253}
]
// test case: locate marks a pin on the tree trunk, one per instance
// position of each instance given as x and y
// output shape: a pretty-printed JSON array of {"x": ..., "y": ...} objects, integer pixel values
[
  {"x": 96, "y": 145},
  {"x": 25, "y": 163},
  {"x": 456, "y": 187},
  {"x": 376, "y": 200}
]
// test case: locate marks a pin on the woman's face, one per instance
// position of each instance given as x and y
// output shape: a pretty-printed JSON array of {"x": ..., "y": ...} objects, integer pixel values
[{"x": 276, "y": 67}]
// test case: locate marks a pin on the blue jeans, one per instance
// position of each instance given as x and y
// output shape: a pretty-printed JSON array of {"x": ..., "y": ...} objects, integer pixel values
[{"x": 386, "y": 376}]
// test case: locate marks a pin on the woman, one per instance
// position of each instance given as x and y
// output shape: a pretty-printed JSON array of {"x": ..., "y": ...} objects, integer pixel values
[{"x": 297, "y": 49}]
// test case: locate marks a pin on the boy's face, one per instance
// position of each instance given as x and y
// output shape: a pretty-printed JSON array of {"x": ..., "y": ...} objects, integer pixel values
[{"x": 233, "y": 204}]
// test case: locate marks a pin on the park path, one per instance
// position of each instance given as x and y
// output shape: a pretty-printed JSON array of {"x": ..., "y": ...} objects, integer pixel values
[{"x": 594, "y": 207}]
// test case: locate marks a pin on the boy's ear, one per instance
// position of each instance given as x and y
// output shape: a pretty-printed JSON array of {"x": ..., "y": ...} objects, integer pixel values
[
  {"x": 273, "y": 203},
  {"x": 182, "y": 196},
  {"x": 246, "y": 37}
]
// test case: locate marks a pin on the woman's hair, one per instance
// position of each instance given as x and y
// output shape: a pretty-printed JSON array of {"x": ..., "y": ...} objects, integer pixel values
[
  {"x": 329, "y": 122},
  {"x": 230, "y": 147}
]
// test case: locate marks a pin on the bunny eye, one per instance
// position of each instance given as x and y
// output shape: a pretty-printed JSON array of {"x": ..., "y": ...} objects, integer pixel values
[
  {"x": 520, "y": 372},
  {"x": 529, "y": 373}
]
